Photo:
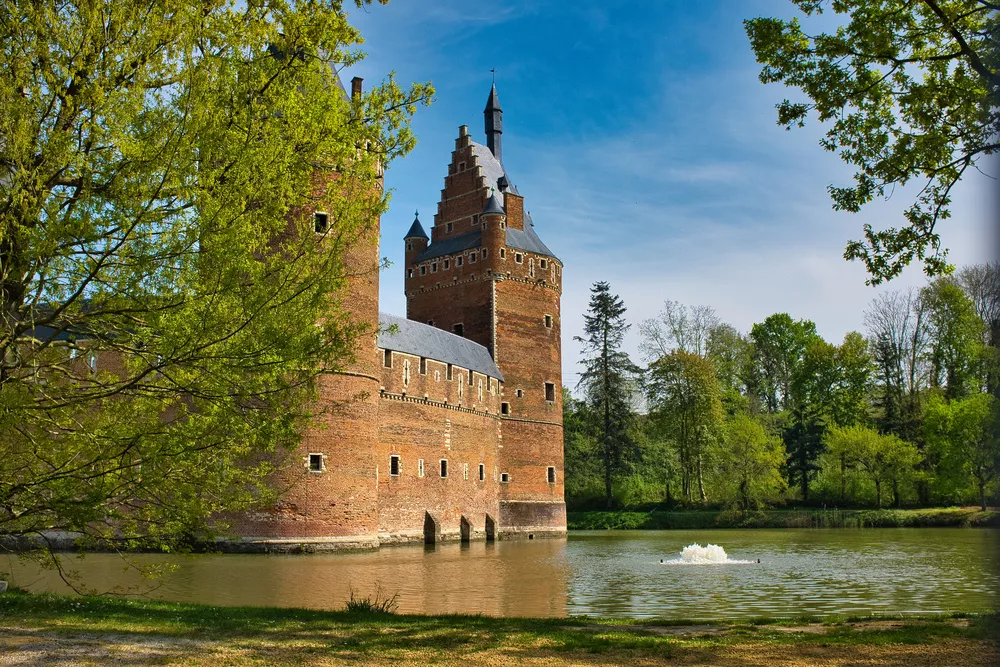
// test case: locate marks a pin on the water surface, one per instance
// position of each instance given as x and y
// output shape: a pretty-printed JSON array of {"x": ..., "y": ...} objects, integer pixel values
[{"x": 603, "y": 573}]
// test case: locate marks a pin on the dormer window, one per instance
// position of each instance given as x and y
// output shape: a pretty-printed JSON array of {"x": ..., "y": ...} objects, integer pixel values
[{"x": 320, "y": 222}]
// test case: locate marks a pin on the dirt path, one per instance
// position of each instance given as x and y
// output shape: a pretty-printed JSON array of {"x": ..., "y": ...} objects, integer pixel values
[{"x": 687, "y": 647}]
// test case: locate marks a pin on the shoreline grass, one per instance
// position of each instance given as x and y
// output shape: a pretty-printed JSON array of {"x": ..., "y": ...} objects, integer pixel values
[
  {"x": 170, "y": 633},
  {"x": 950, "y": 517}
]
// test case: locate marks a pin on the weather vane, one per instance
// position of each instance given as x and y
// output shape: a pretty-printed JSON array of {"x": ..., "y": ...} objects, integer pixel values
[{"x": 493, "y": 71}]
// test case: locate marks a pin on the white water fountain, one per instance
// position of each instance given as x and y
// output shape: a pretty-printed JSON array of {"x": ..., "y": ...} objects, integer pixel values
[{"x": 712, "y": 554}]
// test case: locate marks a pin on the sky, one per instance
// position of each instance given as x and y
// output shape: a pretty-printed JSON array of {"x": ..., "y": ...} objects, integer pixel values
[{"x": 648, "y": 154}]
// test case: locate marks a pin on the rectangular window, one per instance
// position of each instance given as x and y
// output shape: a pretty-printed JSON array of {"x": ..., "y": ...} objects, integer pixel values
[
  {"x": 531, "y": 267},
  {"x": 92, "y": 362},
  {"x": 434, "y": 267},
  {"x": 423, "y": 365},
  {"x": 544, "y": 263},
  {"x": 520, "y": 393},
  {"x": 548, "y": 321},
  {"x": 423, "y": 270},
  {"x": 471, "y": 378},
  {"x": 448, "y": 376},
  {"x": 503, "y": 253},
  {"x": 472, "y": 258},
  {"x": 465, "y": 471},
  {"x": 459, "y": 260},
  {"x": 482, "y": 472},
  {"x": 409, "y": 273},
  {"x": 459, "y": 330},
  {"x": 387, "y": 358},
  {"x": 320, "y": 222},
  {"x": 504, "y": 477},
  {"x": 551, "y": 474},
  {"x": 485, "y": 253},
  {"x": 505, "y": 408},
  {"x": 394, "y": 465},
  {"x": 444, "y": 467},
  {"x": 449, "y": 227},
  {"x": 550, "y": 391},
  {"x": 518, "y": 257},
  {"x": 316, "y": 463},
  {"x": 406, "y": 372},
  {"x": 420, "y": 467},
  {"x": 447, "y": 264}
]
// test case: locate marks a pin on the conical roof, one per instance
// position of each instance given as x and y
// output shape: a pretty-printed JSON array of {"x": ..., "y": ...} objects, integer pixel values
[
  {"x": 493, "y": 206},
  {"x": 493, "y": 102},
  {"x": 416, "y": 229}
]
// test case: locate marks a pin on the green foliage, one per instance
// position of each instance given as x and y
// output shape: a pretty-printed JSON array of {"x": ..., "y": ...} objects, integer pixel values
[
  {"x": 961, "y": 435},
  {"x": 908, "y": 91},
  {"x": 747, "y": 463},
  {"x": 159, "y": 165},
  {"x": 882, "y": 458},
  {"x": 375, "y": 604}
]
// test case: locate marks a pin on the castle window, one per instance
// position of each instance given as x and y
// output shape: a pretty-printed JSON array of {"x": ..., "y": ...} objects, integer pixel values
[
  {"x": 434, "y": 267},
  {"x": 505, "y": 408},
  {"x": 520, "y": 393},
  {"x": 423, "y": 365},
  {"x": 459, "y": 330},
  {"x": 420, "y": 467},
  {"x": 409, "y": 273},
  {"x": 423, "y": 270},
  {"x": 448, "y": 375},
  {"x": 485, "y": 253},
  {"x": 406, "y": 372},
  {"x": 503, "y": 253},
  {"x": 551, "y": 474},
  {"x": 447, "y": 264},
  {"x": 92, "y": 362},
  {"x": 519, "y": 258},
  {"x": 387, "y": 358},
  {"x": 465, "y": 471},
  {"x": 472, "y": 258},
  {"x": 320, "y": 222},
  {"x": 461, "y": 387},
  {"x": 504, "y": 477},
  {"x": 409, "y": 245},
  {"x": 470, "y": 378},
  {"x": 461, "y": 166},
  {"x": 459, "y": 260},
  {"x": 475, "y": 220},
  {"x": 548, "y": 321},
  {"x": 480, "y": 390},
  {"x": 550, "y": 391},
  {"x": 316, "y": 463},
  {"x": 449, "y": 227},
  {"x": 482, "y": 472},
  {"x": 444, "y": 467},
  {"x": 544, "y": 264},
  {"x": 394, "y": 465}
]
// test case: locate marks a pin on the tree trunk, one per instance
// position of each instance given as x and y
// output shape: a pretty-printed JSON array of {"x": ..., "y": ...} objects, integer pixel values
[
  {"x": 878, "y": 493},
  {"x": 607, "y": 473},
  {"x": 843, "y": 478},
  {"x": 701, "y": 483}
]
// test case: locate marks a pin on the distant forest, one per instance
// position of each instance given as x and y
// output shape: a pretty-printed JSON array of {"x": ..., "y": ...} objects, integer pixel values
[{"x": 904, "y": 413}]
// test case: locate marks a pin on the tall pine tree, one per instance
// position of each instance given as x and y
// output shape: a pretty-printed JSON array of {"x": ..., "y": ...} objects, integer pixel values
[{"x": 609, "y": 381}]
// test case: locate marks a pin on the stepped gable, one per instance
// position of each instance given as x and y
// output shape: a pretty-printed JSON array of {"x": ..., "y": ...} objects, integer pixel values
[{"x": 423, "y": 340}]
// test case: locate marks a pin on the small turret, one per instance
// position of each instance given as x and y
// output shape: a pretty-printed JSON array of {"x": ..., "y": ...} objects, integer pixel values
[
  {"x": 494, "y": 220},
  {"x": 494, "y": 123},
  {"x": 416, "y": 239}
]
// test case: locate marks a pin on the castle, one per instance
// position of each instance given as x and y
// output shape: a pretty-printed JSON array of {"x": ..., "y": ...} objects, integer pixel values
[{"x": 450, "y": 426}]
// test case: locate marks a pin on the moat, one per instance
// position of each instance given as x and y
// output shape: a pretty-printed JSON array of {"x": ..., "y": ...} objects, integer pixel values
[{"x": 615, "y": 574}]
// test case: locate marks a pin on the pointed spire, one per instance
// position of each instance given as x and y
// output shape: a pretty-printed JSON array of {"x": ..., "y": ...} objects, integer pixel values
[
  {"x": 416, "y": 229},
  {"x": 494, "y": 123},
  {"x": 493, "y": 206}
]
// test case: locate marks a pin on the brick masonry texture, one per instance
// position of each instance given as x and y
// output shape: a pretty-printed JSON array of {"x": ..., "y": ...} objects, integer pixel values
[{"x": 384, "y": 428}]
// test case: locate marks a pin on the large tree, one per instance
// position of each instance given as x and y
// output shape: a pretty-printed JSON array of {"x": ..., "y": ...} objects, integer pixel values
[
  {"x": 747, "y": 461},
  {"x": 167, "y": 302},
  {"x": 883, "y": 458},
  {"x": 908, "y": 91},
  {"x": 961, "y": 432},
  {"x": 609, "y": 381}
]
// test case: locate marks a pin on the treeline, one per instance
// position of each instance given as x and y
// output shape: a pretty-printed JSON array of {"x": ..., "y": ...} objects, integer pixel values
[{"x": 904, "y": 413}]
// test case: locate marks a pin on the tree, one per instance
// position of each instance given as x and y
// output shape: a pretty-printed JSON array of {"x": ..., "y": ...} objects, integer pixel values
[
  {"x": 961, "y": 432},
  {"x": 678, "y": 327},
  {"x": 609, "y": 380},
  {"x": 686, "y": 404},
  {"x": 779, "y": 343},
  {"x": 749, "y": 460},
  {"x": 732, "y": 355},
  {"x": 956, "y": 338},
  {"x": 159, "y": 165},
  {"x": 582, "y": 461},
  {"x": 981, "y": 284},
  {"x": 909, "y": 91},
  {"x": 883, "y": 458}
]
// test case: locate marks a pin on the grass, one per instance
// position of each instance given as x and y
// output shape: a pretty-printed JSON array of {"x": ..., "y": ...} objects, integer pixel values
[
  {"x": 800, "y": 518},
  {"x": 169, "y": 633}
]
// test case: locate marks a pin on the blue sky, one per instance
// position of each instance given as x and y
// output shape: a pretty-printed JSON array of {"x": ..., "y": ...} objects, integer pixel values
[{"x": 648, "y": 155}]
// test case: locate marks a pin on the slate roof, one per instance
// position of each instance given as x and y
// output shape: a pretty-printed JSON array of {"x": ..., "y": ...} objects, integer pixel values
[
  {"x": 493, "y": 205},
  {"x": 492, "y": 169},
  {"x": 416, "y": 230},
  {"x": 526, "y": 239},
  {"x": 455, "y": 244},
  {"x": 423, "y": 340}
]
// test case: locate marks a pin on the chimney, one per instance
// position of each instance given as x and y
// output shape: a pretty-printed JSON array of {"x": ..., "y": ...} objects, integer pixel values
[{"x": 356, "y": 88}]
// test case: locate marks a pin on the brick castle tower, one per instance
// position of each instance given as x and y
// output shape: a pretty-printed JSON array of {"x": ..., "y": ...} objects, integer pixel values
[{"x": 484, "y": 274}]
